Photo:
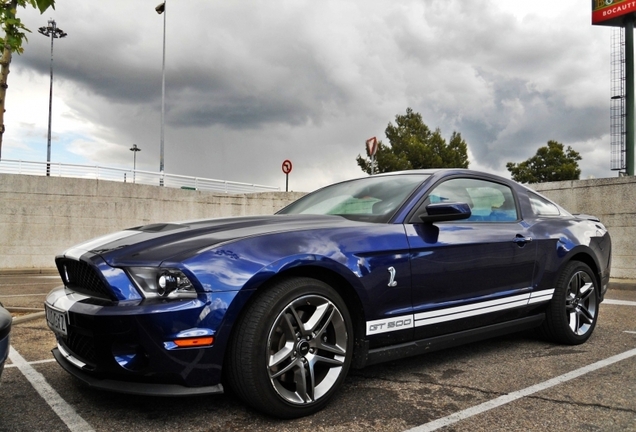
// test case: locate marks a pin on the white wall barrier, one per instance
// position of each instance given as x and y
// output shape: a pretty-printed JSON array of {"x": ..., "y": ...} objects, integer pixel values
[{"x": 42, "y": 216}]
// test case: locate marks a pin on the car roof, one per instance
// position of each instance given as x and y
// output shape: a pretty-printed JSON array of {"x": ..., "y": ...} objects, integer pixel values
[{"x": 433, "y": 171}]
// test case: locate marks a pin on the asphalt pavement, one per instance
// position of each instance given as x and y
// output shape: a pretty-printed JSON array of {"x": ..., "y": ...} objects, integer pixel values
[{"x": 513, "y": 383}]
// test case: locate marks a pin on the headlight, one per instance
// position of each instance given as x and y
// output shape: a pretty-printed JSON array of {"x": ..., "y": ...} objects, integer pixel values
[{"x": 162, "y": 282}]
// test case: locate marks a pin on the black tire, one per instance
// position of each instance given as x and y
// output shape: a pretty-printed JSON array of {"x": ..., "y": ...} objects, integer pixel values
[
  {"x": 573, "y": 311},
  {"x": 284, "y": 369}
]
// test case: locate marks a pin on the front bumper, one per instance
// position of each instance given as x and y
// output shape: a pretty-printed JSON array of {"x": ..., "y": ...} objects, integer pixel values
[
  {"x": 69, "y": 364},
  {"x": 128, "y": 346}
]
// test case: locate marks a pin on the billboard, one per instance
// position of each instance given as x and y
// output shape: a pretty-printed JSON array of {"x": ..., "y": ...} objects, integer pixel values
[{"x": 611, "y": 12}]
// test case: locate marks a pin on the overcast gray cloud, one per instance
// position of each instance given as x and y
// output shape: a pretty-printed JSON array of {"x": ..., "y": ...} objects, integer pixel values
[{"x": 251, "y": 83}]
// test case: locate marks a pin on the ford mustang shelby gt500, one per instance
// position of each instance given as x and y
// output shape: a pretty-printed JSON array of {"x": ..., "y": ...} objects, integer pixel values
[{"x": 278, "y": 308}]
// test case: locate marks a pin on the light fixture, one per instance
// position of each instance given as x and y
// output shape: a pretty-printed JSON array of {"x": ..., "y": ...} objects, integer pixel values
[{"x": 51, "y": 31}]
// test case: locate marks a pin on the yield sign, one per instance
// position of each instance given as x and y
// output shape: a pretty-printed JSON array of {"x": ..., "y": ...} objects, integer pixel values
[{"x": 372, "y": 146}]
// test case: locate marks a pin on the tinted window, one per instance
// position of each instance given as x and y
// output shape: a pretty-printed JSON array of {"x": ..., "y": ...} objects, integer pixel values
[
  {"x": 488, "y": 201},
  {"x": 542, "y": 207},
  {"x": 373, "y": 199}
]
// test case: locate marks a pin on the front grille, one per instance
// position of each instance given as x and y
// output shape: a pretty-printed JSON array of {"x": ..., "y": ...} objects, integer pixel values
[
  {"x": 97, "y": 340},
  {"x": 81, "y": 346},
  {"x": 81, "y": 277}
]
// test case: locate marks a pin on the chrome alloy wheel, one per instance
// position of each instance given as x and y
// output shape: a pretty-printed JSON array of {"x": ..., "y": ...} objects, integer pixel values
[
  {"x": 307, "y": 349},
  {"x": 580, "y": 303}
]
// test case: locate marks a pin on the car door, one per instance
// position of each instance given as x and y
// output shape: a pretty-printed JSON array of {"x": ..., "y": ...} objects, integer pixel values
[{"x": 473, "y": 272}]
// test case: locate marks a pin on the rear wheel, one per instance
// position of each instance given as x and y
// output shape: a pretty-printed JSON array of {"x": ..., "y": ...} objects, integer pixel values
[
  {"x": 292, "y": 348},
  {"x": 573, "y": 311}
]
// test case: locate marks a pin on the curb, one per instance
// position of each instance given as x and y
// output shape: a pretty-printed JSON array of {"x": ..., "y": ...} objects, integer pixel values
[
  {"x": 622, "y": 285},
  {"x": 30, "y": 271},
  {"x": 23, "y": 309},
  {"x": 29, "y": 317}
]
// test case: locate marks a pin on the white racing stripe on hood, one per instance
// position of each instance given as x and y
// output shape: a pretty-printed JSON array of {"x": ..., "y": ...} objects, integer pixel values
[
  {"x": 66, "y": 302},
  {"x": 78, "y": 250}
]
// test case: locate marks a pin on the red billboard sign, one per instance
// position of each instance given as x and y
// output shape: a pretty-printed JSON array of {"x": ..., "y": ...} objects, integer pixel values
[{"x": 610, "y": 12}]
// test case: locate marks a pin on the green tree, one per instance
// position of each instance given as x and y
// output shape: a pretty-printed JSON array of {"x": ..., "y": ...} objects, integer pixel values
[
  {"x": 414, "y": 146},
  {"x": 551, "y": 163},
  {"x": 14, "y": 36}
]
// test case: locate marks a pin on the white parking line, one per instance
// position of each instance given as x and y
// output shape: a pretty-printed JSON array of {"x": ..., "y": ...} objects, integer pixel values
[
  {"x": 510, "y": 397},
  {"x": 63, "y": 410},
  {"x": 619, "y": 302},
  {"x": 31, "y": 363}
]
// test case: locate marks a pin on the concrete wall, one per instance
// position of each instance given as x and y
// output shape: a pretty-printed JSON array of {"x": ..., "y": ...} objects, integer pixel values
[
  {"x": 42, "y": 216},
  {"x": 613, "y": 200}
]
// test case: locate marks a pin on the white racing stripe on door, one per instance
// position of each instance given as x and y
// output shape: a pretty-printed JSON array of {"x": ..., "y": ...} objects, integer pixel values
[
  {"x": 478, "y": 309},
  {"x": 541, "y": 296},
  {"x": 389, "y": 324},
  {"x": 457, "y": 312}
]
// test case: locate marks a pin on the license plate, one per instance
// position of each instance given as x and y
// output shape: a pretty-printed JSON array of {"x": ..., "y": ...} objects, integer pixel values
[{"x": 56, "y": 320}]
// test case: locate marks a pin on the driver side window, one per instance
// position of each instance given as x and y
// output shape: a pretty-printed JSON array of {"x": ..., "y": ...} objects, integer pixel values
[{"x": 488, "y": 201}]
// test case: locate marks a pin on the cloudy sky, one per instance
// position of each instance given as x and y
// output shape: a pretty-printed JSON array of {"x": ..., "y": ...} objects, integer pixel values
[{"x": 252, "y": 83}]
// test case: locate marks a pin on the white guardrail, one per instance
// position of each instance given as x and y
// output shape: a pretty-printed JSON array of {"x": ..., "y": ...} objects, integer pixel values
[{"x": 8, "y": 166}]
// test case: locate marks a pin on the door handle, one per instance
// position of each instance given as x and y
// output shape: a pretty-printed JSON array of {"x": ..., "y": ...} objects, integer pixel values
[{"x": 521, "y": 240}]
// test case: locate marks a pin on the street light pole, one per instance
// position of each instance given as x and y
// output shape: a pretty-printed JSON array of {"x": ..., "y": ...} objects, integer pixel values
[
  {"x": 53, "y": 32},
  {"x": 161, "y": 9},
  {"x": 134, "y": 149}
]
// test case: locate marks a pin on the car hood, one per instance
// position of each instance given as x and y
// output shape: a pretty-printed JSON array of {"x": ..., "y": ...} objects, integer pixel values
[{"x": 152, "y": 244}]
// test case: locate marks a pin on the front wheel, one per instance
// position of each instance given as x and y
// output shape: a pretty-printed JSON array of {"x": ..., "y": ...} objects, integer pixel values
[
  {"x": 573, "y": 311},
  {"x": 292, "y": 348}
]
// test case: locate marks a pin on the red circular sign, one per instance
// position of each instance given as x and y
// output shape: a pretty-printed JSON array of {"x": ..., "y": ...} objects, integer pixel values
[{"x": 287, "y": 166}]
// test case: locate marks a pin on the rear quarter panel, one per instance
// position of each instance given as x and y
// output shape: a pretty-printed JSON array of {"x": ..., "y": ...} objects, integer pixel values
[{"x": 560, "y": 240}]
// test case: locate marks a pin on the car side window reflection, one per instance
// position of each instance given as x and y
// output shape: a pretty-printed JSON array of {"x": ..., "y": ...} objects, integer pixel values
[
  {"x": 542, "y": 207},
  {"x": 488, "y": 201}
]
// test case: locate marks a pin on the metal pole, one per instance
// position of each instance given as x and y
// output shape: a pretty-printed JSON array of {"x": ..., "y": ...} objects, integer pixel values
[
  {"x": 48, "y": 139},
  {"x": 629, "y": 95},
  {"x": 163, "y": 95},
  {"x": 134, "y": 149},
  {"x": 52, "y": 32}
]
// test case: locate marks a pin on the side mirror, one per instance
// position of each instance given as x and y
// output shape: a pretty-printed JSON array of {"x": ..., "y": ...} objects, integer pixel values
[{"x": 445, "y": 211}]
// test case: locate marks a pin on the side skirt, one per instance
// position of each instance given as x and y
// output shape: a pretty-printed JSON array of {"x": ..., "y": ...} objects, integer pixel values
[{"x": 395, "y": 352}]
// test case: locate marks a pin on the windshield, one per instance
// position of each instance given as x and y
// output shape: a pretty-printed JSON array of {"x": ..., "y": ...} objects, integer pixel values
[{"x": 371, "y": 199}]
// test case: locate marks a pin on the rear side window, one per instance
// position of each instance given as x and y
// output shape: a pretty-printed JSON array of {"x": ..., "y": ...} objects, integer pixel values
[
  {"x": 541, "y": 206},
  {"x": 488, "y": 201}
]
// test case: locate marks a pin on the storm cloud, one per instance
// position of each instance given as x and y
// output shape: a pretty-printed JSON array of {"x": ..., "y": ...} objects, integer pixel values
[{"x": 251, "y": 83}]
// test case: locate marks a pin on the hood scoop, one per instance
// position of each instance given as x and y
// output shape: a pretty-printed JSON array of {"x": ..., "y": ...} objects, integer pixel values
[{"x": 159, "y": 227}]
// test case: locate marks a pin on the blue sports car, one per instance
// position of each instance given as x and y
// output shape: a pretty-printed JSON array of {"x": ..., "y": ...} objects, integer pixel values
[
  {"x": 278, "y": 308},
  {"x": 5, "y": 328}
]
